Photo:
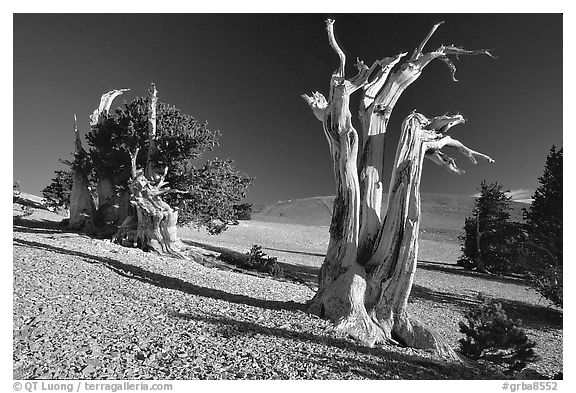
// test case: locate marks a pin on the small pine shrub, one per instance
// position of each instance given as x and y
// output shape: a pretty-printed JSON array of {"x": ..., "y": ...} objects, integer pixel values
[
  {"x": 27, "y": 211},
  {"x": 255, "y": 257},
  {"x": 258, "y": 260},
  {"x": 492, "y": 336}
]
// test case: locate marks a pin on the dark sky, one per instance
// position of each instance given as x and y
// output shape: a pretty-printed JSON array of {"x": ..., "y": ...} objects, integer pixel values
[{"x": 244, "y": 74}]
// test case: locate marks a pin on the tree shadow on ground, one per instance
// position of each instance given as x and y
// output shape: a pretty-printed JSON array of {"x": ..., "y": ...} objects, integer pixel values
[
  {"x": 312, "y": 254},
  {"x": 162, "y": 281},
  {"x": 458, "y": 270},
  {"x": 29, "y": 203},
  {"x": 301, "y": 274},
  {"x": 226, "y": 255},
  {"x": 37, "y": 226},
  {"x": 459, "y": 300},
  {"x": 533, "y": 316},
  {"x": 380, "y": 362}
]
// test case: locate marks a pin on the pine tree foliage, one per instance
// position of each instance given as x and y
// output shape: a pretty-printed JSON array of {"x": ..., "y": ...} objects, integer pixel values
[
  {"x": 57, "y": 193},
  {"x": 493, "y": 336},
  {"x": 543, "y": 225},
  {"x": 210, "y": 190},
  {"x": 179, "y": 138},
  {"x": 491, "y": 240},
  {"x": 258, "y": 260},
  {"x": 215, "y": 189}
]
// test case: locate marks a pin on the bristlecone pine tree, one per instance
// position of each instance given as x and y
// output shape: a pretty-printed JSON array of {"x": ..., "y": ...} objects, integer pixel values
[
  {"x": 134, "y": 153},
  {"x": 370, "y": 263}
]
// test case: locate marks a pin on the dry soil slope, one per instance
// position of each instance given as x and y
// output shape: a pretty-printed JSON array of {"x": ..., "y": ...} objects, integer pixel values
[{"x": 439, "y": 211}]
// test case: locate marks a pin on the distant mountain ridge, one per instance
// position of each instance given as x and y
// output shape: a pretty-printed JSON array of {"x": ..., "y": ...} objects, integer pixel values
[{"x": 439, "y": 211}]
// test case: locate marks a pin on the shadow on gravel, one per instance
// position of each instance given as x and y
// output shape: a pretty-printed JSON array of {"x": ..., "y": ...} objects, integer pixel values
[
  {"x": 295, "y": 252},
  {"x": 226, "y": 255},
  {"x": 29, "y": 203},
  {"x": 307, "y": 275},
  {"x": 532, "y": 315},
  {"x": 427, "y": 294},
  {"x": 162, "y": 281},
  {"x": 376, "y": 366},
  {"x": 458, "y": 270},
  {"x": 36, "y": 226}
]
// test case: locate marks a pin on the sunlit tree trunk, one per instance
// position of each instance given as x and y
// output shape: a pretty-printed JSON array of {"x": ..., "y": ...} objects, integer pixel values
[
  {"x": 367, "y": 275},
  {"x": 152, "y": 227},
  {"x": 130, "y": 205}
]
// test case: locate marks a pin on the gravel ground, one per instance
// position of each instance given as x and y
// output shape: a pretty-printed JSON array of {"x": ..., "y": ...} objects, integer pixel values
[
  {"x": 442, "y": 291},
  {"x": 86, "y": 308}
]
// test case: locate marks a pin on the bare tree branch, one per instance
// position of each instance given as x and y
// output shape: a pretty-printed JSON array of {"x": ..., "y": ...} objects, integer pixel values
[
  {"x": 372, "y": 88},
  {"x": 418, "y": 51},
  {"x": 153, "y": 95},
  {"x": 317, "y": 103},
  {"x": 448, "y": 141},
  {"x": 443, "y": 123},
  {"x": 79, "y": 148},
  {"x": 336, "y": 47},
  {"x": 105, "y": 103},
  {"x": 133, "y": 156},
  {"x": 443, "y": 160}
]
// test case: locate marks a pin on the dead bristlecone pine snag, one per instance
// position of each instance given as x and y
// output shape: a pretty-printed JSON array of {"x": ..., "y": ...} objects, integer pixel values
[{"x": 367, "y": 275}]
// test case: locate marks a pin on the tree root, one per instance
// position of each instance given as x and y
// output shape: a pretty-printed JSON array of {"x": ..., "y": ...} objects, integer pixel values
[
  {"x": 157, "y": 239},
  {"x": 342, "y": 302},
  {"x": 411, "y": 332}
]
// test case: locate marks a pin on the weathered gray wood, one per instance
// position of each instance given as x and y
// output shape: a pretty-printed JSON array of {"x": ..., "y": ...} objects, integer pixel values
[
  {"x": 393, "y": 264},
  {"x": 153, "y": 226},
  {"x": 342, "y": 279},
  {"x": 151, "y": 172},
  {"x": 82, "y": 207},
  {"x": 105, "y": 104},
  {"x": 379, "y": 99},
  {"x": 367, "y": 275}
]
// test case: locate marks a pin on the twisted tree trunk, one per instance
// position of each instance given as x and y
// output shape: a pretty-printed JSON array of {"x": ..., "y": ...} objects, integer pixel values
[
  {"x": 367, "y": 275},
  {"x": 153, "y": 225},
  {"x": 342, "y": 279},
  {"x": 130, "y": 205},
  {"x": 392, "y": 267}
]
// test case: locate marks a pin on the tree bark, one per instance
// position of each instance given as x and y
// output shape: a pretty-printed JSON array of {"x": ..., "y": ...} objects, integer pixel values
[
  {"x": 82, "y": 206},
  {"x": 378, "y": 101},
  {"x": 391, "y": 269},
  {"x": 153, "y": 226},
  {"x": 342, "y": 279},
  {"x": 367, "y": 275}
]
